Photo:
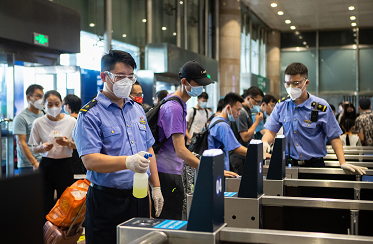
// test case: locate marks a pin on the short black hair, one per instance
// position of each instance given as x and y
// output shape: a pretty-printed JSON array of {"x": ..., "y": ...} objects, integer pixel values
[
  {"x": 136, "y": 83},
  {"x": 31, "y": 89},
  {"x": 297, "y": 68},
  {"x": 332, "y": 107},
  {"x": 109, "y": 60},
  {"x": 161, "y": 94},
  {"x": 231, "y": 99},
  {"x": 74, "y": 102},
  {"x": 51, "y": 92},
  {"x": 269, "y": 98},
  {"x": 220, "y": 105},
  {"x": 253, "y": 92},
  {"x": 203, "y": 95}
]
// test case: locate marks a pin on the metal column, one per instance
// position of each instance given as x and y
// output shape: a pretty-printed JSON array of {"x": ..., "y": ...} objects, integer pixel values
[{"x": 108, "y": 26}]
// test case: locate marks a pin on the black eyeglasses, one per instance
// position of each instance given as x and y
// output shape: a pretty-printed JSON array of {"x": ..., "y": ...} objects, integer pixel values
[
  {"x": 257, "y": 102},
  {"x": 293, "y": 83}
]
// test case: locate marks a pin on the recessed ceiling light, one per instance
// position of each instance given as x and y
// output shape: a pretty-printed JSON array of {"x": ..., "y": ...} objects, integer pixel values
[
  {"x": 353, "y": 24},
  {"x": 92, "y": 24},
  {"x": 124, "y": 35},
  {"x": 273, "y": 5},
  {"x": 288, "y": 21},
  {"x": 181, "y": 2},
  {"x": 280, "y": 13},
  {"x": 144, "y": 20},
  {"x": 351, "y": 8},
  {"x": 352, "y": 17},
  {"x": 304, "y": 43},
  {"x": 174, "y": 33},
  {"x": 301, "y": 37},
  {"x": 164, "y": 28},
  {"x": 297, "y": 33},
  {"x": 293, "y": 27}
]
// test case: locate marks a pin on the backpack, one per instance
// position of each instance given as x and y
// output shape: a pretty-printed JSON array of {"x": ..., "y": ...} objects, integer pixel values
[
  {"x": 152, "y": 117},
  {"x": 199, "y": 140}
]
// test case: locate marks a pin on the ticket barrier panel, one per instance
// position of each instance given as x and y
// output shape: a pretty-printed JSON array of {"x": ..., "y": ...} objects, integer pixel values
[{"x": 177, "y": 231}]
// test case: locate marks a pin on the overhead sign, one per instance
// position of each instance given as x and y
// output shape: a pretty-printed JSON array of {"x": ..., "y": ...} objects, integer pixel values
[{"x": 41, "y": 40}]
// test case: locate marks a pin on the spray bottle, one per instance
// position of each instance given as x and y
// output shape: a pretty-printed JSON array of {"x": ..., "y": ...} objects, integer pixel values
[{"x": 140, "y": 182}]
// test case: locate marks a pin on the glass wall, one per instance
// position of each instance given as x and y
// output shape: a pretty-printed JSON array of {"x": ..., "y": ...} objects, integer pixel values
[
  {"x": 345, "y": 62},
  {"x": 253, "y": 49}
]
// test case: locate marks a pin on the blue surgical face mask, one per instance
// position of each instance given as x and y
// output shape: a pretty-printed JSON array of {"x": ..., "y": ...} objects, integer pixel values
[
  {"x": 203, "y": 104},
  {"x": 195, "y": 91},
  {"x": 230, "y": 116},
  {"x": 265, "y": 115},
  {"x": 256, "y": 109}
]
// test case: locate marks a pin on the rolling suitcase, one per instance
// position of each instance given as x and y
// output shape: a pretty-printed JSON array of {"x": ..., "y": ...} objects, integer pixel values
[{"x": 61, "y": 235}]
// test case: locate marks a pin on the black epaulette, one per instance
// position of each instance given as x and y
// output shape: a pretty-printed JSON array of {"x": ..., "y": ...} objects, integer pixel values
[
  {"x": 88, "y": 106},
  {"x": 283, "y": 99},
  {"x": 320, "y": 107}
]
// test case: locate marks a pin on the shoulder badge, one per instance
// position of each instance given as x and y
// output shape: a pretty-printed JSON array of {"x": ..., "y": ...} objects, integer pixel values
[
  {"x": 320, "y": 107},
  {"x": 283, "y": 99},
  {"x": 88, "y": 106}
]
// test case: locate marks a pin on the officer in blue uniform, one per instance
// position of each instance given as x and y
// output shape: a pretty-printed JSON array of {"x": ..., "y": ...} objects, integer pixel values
[
  {"x": 112, "y": 137},
  {"x": 307, "y": 122}
]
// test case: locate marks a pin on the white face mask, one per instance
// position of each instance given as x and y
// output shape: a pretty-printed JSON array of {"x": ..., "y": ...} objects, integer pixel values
[
  {"x": 66, "y": 109},
  {"x": 38, "y": 104},
  {"x": 294, "y": 93},
  {"x": 121, "y": 88},
  {"x": 53, "y": 111},
  {"x": 203, "y": 104}
]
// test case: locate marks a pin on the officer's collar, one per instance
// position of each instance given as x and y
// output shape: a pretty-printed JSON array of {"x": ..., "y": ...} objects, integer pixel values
[
  {"x": 306, "y": 104},
  {"x": 106, "y": 102}
]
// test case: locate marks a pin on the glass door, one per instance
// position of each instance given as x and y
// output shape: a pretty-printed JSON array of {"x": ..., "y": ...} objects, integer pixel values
[{"x": 7, "y": 114}]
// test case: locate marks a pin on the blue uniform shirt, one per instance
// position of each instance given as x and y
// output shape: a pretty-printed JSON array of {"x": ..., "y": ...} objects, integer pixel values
[
  {"x": 222, "y": 135},
  {"x": 307, "y": 139},
  {"x": 110, "y": 130}
]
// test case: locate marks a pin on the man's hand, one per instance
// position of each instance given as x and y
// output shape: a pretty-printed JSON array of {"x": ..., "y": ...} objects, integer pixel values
[
  {"x": 47, "y": 146},
  {"x": 138, "y": 163},
  {"x": 158, "y": 200},
  {"x": 259, "y": 117},
  {"x": 230, "y": 174},
  {"x": 353, "y": 168},
  {"x": 265, "y": 149},
  {"x": 36, "y": 165}
]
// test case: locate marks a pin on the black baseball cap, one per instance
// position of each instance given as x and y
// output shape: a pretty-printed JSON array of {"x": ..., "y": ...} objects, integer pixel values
[
  {"x": 192, "y": 70},
  {"x": 364, "y": 103}
]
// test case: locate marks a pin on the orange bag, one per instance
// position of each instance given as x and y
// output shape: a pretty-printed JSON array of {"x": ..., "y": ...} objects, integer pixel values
[{"x": 67, "y": 207}]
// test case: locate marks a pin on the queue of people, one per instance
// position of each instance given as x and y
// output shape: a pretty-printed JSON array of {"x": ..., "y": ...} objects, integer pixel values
[{"x": 110, "y": 139}]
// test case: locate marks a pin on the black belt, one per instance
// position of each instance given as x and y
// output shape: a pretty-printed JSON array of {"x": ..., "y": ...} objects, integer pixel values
[
  {"x": 120, "y": 192},
  {"x": 309, "y": 162}
]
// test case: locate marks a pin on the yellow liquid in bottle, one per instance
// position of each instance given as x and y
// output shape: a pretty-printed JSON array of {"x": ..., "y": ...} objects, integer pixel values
[{"x": 140, "y": 193}]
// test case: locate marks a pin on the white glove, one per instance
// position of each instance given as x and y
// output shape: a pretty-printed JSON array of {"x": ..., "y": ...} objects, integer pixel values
[
  {"x": 353, "y": 168},
  {"x": 138, "y": 163},
  {"x": 265, "y": 149},
  {"x": 158, "y": 200}
]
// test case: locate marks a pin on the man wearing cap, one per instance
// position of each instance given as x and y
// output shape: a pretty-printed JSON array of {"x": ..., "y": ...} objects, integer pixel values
[
  {"x": 172, "y": 127},
  {"x": 364, "y": 123}
]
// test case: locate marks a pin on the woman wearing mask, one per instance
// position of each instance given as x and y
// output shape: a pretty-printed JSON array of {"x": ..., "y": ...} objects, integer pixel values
[
  {"x": 51, "y": 135},
  {"x": 71, "y": 106}
]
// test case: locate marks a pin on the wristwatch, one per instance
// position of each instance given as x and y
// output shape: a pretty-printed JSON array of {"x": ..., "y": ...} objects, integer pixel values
[{"x": 69, "y": 145}]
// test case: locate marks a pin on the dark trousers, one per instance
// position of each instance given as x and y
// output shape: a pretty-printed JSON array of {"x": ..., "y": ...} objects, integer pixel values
[
  {"x": 58, "y": 175},
  {"x": 104, "y": 211},
  {"x": 313, "y": 162},
  {"x": 236, "y": 163},
  {"x": 173, "y": 194}
]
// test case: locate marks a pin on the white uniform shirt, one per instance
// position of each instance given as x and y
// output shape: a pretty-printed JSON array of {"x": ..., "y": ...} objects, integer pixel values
[
  {"x": 199, "y": 120},
  {"x": 43, "y": 130}
]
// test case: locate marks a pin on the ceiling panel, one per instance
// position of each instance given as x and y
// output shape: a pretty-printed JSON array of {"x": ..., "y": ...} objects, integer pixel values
[{"x": 313, "y": 14}]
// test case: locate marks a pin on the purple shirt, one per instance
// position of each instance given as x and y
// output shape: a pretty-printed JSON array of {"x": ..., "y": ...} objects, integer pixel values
[{"x": 171, "y": 120}]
